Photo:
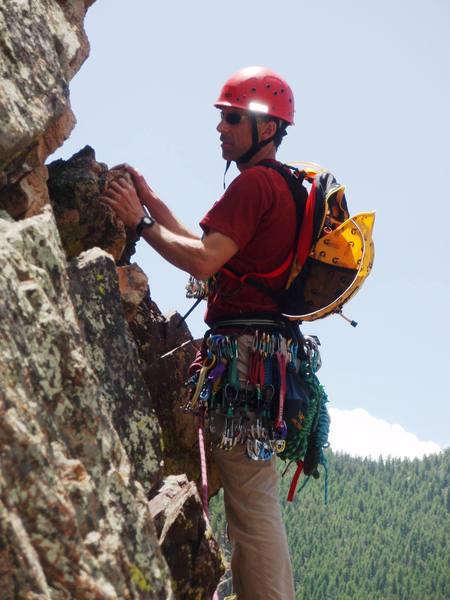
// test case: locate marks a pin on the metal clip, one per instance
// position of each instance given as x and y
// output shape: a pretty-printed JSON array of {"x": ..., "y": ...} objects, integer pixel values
[{"x": 312, "y": 352}]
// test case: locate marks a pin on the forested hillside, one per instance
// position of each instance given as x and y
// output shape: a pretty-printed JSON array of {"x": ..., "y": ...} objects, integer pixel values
[{"x": 383, "y": 535}]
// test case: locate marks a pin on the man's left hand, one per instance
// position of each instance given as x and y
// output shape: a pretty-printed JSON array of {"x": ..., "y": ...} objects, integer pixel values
[{"x": 121, "y": 196}]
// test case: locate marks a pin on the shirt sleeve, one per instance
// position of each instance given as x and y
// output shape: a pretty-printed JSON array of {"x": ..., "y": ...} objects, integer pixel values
[{"x": 239, "y": 211}]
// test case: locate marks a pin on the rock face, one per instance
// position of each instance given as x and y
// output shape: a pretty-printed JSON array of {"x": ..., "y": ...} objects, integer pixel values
[
  {"x": 133, "y": 285},
  {"x": 84, "y": 222},
  {"x": 43, "y": 46},
  {"x": 90, "y": 371},
  {"x": 186, "y": 538},
  {"x": 74, "y": 521},
  {"x": 167, "y": 352},
  {"x": 164, "y": 349},
  {"x": 113, "y": 356}
]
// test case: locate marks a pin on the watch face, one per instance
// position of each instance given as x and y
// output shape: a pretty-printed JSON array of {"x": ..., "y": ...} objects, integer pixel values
[{"x": 146, "y": 221}]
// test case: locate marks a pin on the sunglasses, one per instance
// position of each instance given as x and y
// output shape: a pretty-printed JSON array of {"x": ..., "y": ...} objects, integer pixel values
[{"x": 233, "y": 118}]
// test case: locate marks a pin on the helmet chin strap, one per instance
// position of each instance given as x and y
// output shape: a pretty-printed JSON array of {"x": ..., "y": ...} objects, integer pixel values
[
  {"x": 254, "y": 148},
  {"x": 227, "y": 166},
  {"x": 256, "y": 145}
]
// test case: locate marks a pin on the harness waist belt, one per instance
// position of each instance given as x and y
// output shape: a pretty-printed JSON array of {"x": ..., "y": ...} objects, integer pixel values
[{"x": 246, "y": 323}]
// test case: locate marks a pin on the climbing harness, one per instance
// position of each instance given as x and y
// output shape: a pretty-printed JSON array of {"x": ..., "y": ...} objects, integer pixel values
[{"x": 279, "y": 409}]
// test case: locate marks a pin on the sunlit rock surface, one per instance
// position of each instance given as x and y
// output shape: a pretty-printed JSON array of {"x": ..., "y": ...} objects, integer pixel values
[
  {"x": 74, "y": 521},
  {"x": 113, "y": 356},
  {"x": 133, "y": 286},
  {"x": 186, "y": 538},
  {"x": 43, "y": 46}
]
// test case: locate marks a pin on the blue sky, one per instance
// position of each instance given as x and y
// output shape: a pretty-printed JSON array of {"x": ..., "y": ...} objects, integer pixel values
[{"x": 373, "y": 96}]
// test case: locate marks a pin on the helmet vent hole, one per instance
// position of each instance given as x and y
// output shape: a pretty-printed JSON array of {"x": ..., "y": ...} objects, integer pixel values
[
  {"x": 253, "y": 89},
  {"x": 282, "y": 90},
  {"x": 275, "y": 93},
  {"x": 268, "y": 85},
  {"x": 237, "y": 99}
]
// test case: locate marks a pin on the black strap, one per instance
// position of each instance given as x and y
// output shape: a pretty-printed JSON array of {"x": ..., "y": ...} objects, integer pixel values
[
  {"x": 256, "y": 144},
  {"x": 295, "y": 184},
  {"x": 300, "y": 196},
  {"x": 225, "y": 173},
  {"x": 290, "y": 329},
  {"x": 185, "y": 316}
]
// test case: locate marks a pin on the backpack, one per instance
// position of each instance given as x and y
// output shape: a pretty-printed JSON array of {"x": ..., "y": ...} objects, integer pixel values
[{"x": 333, "y": 253}]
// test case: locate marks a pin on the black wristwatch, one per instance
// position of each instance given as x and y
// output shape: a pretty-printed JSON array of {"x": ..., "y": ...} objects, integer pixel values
[{"x": 146, "y": 221}]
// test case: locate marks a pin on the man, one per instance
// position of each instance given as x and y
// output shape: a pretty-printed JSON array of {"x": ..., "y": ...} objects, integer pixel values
[{"x": 251, "y": 229}]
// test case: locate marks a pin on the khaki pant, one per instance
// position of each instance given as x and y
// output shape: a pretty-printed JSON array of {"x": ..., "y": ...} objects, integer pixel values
[{"x": 260, "y": 561}]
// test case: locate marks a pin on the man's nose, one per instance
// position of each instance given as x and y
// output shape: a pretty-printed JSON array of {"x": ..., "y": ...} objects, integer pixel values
[{"x": 221, "y": 126}]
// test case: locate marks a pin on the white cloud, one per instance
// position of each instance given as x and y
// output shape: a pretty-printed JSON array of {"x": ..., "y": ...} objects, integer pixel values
[{"x": 358, "y": 433}]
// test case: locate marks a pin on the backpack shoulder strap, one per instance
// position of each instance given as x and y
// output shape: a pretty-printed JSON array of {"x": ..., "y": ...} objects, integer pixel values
[
  {"x": 294, "y": 179},
  {"x": 300, "y": 197}
]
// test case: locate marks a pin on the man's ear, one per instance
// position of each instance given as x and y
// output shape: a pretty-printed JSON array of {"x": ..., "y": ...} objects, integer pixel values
[{"x": 267, "y": 130}]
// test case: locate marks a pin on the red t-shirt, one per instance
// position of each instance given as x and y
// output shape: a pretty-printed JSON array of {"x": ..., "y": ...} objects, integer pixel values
[{"x": 257, "y": 212}]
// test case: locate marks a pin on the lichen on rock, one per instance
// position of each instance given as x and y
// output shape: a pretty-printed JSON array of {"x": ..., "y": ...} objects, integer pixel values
[
  {"x": 84, "y": 222},
  {"x": 186, "y": 539},
  {"x": 43, "y": 46},
  {"x": 114, "y": 358},
  {"x": 64, "y": 471}
]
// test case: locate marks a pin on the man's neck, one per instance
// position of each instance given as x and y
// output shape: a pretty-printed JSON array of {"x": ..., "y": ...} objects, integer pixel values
[{"x": 267, "y": 152}]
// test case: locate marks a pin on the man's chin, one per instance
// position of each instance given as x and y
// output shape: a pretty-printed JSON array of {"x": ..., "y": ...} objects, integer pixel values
[{"x": 228, "y": 155}]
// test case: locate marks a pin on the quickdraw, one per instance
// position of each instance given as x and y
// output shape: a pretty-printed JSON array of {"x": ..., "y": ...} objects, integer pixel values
[
  {"x": 201, "y": 385},
  {"x": 250, "y": 414},
  {"x": 258, "y": 413}
]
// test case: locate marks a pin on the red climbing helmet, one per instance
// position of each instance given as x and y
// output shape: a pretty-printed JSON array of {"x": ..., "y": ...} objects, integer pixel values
[{"x": 258, "y": 90}]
